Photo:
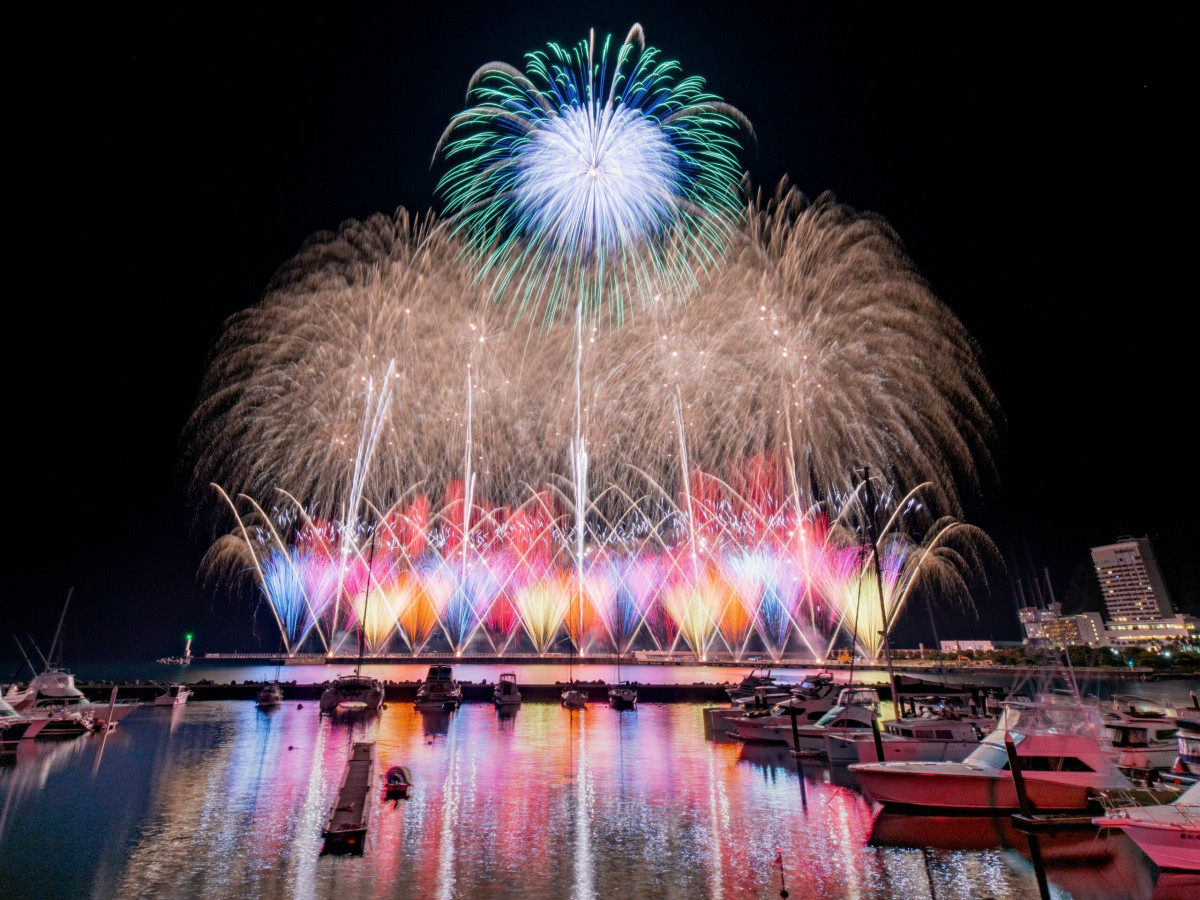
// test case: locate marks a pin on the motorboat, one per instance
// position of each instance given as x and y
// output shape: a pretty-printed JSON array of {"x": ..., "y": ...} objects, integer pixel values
[
  {"x": 439, "y": 690},
  {"x": 856, "y": 709},
  {"x": 12, "y": 727},
  {"x": 764, "y": 697},
  {"x": 1169, "y": 833},
  {"x": 269, "y": 695},
  {"x": 745, "y": 688},
  {"x": 1186, "y": 768},
  {"x": 812, "y": 699},
  {"x": 934, "y": 738},
  {"x": 506, "y": 692},
  {"x": 397, "y": 783},
  {"x": 1066, "y": 761},
  {"x": 623, "y": 695},
  {"x": 53, "y": 721},
  {"x": 352, "y": 693},
  {"x": 53, "y": 695},
  {"x": 175, "y": 695},
  {"x": 1143, "y": 733}
]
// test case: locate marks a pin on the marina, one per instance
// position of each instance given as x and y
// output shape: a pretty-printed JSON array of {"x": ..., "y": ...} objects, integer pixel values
[{"x": 573, "y": 781}]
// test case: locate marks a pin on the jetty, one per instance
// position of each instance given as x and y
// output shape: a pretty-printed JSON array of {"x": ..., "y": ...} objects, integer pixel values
[{"x": 346, "y": 829}]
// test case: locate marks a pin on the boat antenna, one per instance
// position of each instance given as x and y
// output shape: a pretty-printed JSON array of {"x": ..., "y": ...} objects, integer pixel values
[
  {"x": 25, "y": 655},
  {"x": 58, "y": 630},
  {"x": 38, "y": 651}
]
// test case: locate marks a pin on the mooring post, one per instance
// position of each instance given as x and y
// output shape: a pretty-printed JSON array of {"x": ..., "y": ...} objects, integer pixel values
[
  {"x": 1014, "y": 765},
  {"x": 878, "y": 737},
  {"x": 795, "y": 730}
]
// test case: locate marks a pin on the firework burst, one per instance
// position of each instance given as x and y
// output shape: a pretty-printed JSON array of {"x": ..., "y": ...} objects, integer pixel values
[{"x": 574, "y": 183}]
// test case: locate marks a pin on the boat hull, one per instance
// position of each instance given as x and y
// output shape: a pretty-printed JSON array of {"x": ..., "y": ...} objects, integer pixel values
[
  {"x": 1171, "y": 847},
  {"x": 849, "y": 749},
  {"x": 951, "y": 786}
]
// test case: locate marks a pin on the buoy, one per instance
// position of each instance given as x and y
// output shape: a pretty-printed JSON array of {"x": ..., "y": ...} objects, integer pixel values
[
  {"x": 299, "y": 706},
  {"x": 290, "y": 747}
]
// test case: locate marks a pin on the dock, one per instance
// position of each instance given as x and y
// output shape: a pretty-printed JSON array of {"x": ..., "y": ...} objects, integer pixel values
[{"x": 346, "y": 829}]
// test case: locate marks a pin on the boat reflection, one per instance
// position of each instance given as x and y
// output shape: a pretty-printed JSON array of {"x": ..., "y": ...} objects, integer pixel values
[{"x": 1083, "y": 861}]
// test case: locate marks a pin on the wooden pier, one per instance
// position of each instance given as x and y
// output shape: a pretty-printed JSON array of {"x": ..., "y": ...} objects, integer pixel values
[{"x": 346, "y": 829}]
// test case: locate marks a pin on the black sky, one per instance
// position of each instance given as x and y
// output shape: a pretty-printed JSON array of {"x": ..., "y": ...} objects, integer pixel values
[{"x": 165, "y": 161}]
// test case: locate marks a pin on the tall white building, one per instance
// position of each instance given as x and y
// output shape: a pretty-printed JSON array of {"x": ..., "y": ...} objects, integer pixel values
[{"x": 1133, "y": 586}]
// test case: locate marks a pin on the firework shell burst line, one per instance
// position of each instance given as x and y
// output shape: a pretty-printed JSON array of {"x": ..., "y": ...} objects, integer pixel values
[{"x": 575, "y": 185}]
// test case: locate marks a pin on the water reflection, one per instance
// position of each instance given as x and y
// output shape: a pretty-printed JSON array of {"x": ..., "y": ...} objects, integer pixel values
[{"x": 224, "y": 800}]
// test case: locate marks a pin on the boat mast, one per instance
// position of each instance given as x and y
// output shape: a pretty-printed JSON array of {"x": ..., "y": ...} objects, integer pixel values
[
  {"x": 62, "y": 616},
  {"x": 362, "y": 624},
  {"x": 887, "y": 652}
]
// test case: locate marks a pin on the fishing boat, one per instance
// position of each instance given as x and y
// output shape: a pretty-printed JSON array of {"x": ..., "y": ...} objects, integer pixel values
[
  {"x": 1169, "y": 833},
  {"x": 1066, "y": 762},
  {"x": 439, "y": 690},
  {"x": 506, "y": 693},
  {"x": 346, "y": 826},
  {"x": 174, "y": 695},
  {"x": 397, "y": 783}
]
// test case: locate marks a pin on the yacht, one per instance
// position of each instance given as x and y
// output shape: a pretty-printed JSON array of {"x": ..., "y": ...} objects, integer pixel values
[
  {"x": 1186, "y": 768},
  {"x": 506, "y": 692},
  {"x": 747, "y": 686},
  {"x": 1065, "y": 762},
  {"x": 269, "y": 695},
  {"x": 856, "y": 709},
  {"x": 52, "y": 694},
  {"x": 811, "y": 699},
  {"x": 935, "y": 737},
  {"x": 352, "y": 693},
  {"x": 12, "y": 727},
  {"x": 440, "y": 690},
  {"x": 1143, "y": 733},
  {"x": 175, "y": 695},
  {"x": 1169, "y": 834}
]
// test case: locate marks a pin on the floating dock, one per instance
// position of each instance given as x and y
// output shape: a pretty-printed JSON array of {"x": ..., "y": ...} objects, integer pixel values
[{"x": 346, "y": 829}]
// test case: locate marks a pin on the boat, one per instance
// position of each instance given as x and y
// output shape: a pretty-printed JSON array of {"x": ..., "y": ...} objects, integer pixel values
[
  {"x": 940, "y": 736},
  {"x": 397, "y": 783},
  {"x": 175, "y": 695},
  {"x": 352, "y": 693},
  {"x": 857, "y": 707},
  {"x": 1066, "y": 762},
  {"x": 764, "y": 697},
  {"x": 746, "y": 687},
  {"x": 357, "y": 693},
  {"x": 1169, "y": 833},
  {"x": 12, "y": 727},
  {"x": 506, "y": 692},
  {"x": 440, "y": 690},
  {"x": 269, "y": 695},
  {"x": 810, "y": 700},
  {"x": 346, "y": 826},
  {"x": 1143, "y": 733},
  {"x": 1186, "y": 768},
  {"x": 623, "y": 694},
  {"x": 573, "y": 698}
]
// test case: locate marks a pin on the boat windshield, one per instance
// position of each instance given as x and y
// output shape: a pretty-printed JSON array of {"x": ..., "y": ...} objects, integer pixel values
[
  {"x": 1045, "y": 717},
  {"x": 988, "y": 755}
]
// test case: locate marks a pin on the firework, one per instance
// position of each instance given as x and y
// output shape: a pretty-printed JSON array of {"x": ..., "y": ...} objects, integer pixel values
[{"x": 574, "y": 183}]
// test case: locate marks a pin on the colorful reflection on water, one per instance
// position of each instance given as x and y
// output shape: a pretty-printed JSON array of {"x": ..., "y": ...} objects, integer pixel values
[{"x": 222, "y": 800}]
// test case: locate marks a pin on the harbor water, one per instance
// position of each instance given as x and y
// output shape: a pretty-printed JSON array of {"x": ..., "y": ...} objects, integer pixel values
[{"x": 219, "y": 799}]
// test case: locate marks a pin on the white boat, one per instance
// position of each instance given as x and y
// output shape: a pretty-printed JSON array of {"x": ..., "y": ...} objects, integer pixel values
[
  {"x": 929, "y": 739},
  {"x": 764, "y": 697},
  {"x": 1169, "y": 834},
  {"x": 573, "y": 698},
  {"x": 506, "y": 692},
  {"x": 269, "y": 695},
  {"x": 439, "y": 690},
  {"x": 1143, "y": 733},
  {"x": 12, "y": 727},
  {"x": 352, "y": 693},
  {"x": 1066, "y": 761},
  {"x": 1186, "y": 768},
  {"x": 175, "y": 695},
  {"x": 856, "y": 708},
  {"x": 812, "y": 699},
  {"x": 622, "y": 696},
  {"x": 747, "y": 686}
]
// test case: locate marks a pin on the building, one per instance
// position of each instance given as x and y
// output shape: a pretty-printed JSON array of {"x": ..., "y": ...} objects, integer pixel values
[
  {"x": 1051, "y": 627},
  {"x": 1133, "y": 587}
]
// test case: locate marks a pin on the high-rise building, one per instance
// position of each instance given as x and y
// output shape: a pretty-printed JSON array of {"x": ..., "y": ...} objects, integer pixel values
[{"x": 1133, "y": 586}]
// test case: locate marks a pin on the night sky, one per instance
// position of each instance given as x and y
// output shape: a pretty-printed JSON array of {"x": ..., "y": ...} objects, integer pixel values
[{"x": 165, "y": 163}]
